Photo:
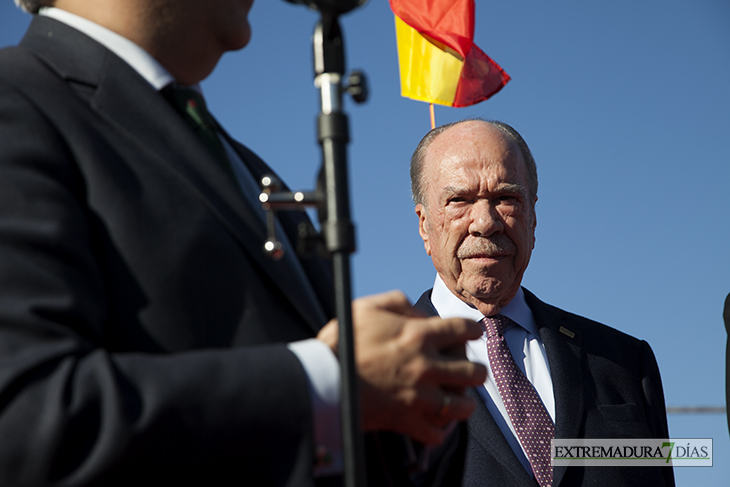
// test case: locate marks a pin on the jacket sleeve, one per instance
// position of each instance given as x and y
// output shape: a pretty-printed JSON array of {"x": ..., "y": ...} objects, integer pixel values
[{"x": 654, "y": 397}]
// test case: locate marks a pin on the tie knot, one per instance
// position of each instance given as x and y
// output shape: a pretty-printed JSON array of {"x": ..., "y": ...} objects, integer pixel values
[
  {"x": 495, "y": 325},
  {"x": 191, "y": 105}
]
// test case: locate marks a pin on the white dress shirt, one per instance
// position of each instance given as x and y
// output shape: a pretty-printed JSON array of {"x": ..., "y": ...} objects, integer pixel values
[
  {"x": 317, "y": 358},
  {"x": 527, "y": 349}
]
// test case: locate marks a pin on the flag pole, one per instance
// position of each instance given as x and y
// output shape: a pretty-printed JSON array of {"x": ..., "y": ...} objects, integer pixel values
[{"x": 433, "y": 116}]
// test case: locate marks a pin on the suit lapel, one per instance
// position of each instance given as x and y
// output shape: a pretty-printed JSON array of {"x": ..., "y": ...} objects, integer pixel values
[
  {"x": 129, "y": 103},
  {"x": 484, "y": 430},
  {"x": 563, "y": 353},
  {"x": 482, "y": 427},
  {"x": 564, "y": 359}
]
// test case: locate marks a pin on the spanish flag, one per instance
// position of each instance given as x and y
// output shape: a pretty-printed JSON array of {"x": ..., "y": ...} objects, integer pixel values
[{"x": 439, "y": 62}]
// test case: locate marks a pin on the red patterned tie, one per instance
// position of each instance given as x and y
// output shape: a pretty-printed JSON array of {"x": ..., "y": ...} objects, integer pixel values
[{"x": 529, "y": 417}]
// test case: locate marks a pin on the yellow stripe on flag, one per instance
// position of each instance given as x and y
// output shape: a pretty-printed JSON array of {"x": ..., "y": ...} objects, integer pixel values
[{"x": 427, "y": 73}]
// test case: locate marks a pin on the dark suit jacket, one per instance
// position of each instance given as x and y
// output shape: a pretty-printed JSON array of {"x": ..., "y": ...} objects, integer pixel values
[
  {"x": 142, "y": 330},
  {"x": 726, "y": 318},
  {"x": 606, "y": 385}
]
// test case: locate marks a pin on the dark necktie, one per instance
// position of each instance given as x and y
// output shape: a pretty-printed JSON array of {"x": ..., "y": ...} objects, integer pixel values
[
  {"x": 190, "y": 104},
  {"x": 529, "y": 417}
]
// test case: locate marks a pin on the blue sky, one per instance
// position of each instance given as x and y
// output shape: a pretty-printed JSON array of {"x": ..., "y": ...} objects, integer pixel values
[{"x": 626, "y": 107}]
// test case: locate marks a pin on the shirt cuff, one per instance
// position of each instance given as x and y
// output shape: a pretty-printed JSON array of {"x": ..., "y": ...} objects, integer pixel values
[{"x": 323, "y": 371}]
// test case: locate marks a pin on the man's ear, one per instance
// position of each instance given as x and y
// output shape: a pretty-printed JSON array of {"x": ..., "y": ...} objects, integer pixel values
[
  {"x": 422, "y": 227},
  {"x": 534, "y": 222}
]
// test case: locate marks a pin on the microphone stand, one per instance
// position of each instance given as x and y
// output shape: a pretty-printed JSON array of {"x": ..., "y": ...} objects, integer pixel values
[
  {"x": 337, "y": 228},
  {"x": 332, "y": 200}
]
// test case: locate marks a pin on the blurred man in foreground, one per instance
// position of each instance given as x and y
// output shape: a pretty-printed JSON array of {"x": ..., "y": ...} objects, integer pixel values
[{"x": 144, "y": 337}]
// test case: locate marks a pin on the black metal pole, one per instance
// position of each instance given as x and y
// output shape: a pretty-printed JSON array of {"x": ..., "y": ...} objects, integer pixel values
[{"x": 338, "y": 230}]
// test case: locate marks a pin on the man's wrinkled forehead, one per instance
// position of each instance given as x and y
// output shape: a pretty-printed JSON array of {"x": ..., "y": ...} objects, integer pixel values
[{"x": 468, "y": 151}]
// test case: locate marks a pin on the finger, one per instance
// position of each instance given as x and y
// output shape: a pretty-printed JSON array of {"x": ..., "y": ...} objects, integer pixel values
[
  {"x": 386, "y": 300},
  {"x": 442, "y": 415},
  {"x": 425, "y": 428},
  {"x": 442, "y": 333},
  {"x": 394, "y": 301},
  {"x": 329, "y": 335},
  {"x": 455, "y": 373},
  {"x": 459, "y": 408},
  {"x": 457, "y": 351},
  {"x": 447, "y": 406}
]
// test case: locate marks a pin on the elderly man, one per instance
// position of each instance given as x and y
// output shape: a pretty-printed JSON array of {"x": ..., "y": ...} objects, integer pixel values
[
  {"x": 550, "y": 373},
  {"x": 145, "y": 339}
]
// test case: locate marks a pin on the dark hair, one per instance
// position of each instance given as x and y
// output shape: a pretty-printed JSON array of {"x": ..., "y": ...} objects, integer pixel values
[
  {"x": 32, "y": 6},
  {"x": 420, "y": 153}
]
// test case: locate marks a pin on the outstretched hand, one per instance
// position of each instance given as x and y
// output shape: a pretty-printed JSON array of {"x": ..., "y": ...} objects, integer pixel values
[{"x": 413, "y": 370}]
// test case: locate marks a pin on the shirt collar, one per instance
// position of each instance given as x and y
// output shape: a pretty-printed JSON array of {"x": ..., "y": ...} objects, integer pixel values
[
  {"x": 139, "y": 59},
  {"x": 448, "y": 305}
]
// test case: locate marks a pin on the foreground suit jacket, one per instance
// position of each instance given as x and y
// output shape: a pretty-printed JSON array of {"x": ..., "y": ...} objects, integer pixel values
[
  {"x": 142, "y": 330},
  {"x": 606, "y": 385}
]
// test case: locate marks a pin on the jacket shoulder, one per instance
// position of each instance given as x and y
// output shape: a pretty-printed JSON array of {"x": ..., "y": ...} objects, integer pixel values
[
  {"x": 591, "y": 334},
  {"x": 424, "y": 304},
  {"x": 17, "y": 62}
]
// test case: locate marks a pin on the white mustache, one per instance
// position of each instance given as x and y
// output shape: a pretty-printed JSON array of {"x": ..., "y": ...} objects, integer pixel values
[{"x": 492, "y": 246}]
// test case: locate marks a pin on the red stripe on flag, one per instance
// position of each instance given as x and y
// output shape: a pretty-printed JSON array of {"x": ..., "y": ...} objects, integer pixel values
[{"x": 480, "y": 78}]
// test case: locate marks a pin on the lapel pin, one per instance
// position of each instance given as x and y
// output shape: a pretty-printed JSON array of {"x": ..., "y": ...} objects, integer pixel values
[{"x": 565, "y": 331}]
